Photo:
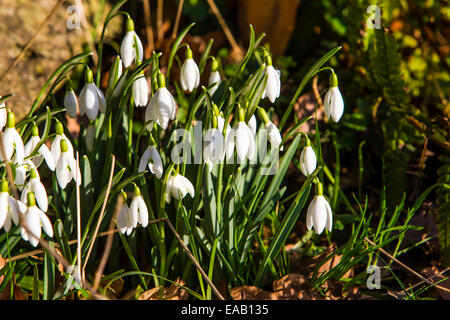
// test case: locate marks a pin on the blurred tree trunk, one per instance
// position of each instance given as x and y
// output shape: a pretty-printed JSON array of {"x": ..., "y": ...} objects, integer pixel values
[{"x": 274, "y": 17}]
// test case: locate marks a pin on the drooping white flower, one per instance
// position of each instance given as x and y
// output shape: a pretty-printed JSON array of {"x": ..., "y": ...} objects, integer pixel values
[
  {"x": 35, "y": 185},
  {"x": 252, "y": 125},
  {"x": 138, "y": 209},
  {"x": 319, "y": 213},
  {"x": 3, "y": 115},
  {"x": 245, "y": 143},
  {"x": 90, "y": 137},
  {"x": 152, "y": 159},
  {"x": 10, "y": 209},
  {"x": 34, "y": 219},
  {"x": 273, "y": 134},
  {"x": 333, "y": 102},
  {"x": 42, "y": 153},
  {"x": 55, "y": 147},
  {"x": 273, "y": 84},
  {"x": 214, "y": 76},
  {"x": 12, "y": 141},
  {"x": 308, "y": 159},
  {"x": 228, "y": 148},
  {"x": 214, "y": 146},
  {"x": 70, "y": 101},
  {"x": 128, "y": 50},
  {"x": 66, "y": 167},
  {"x": 189, "y": 74},
  {"x": 91, "y": 99},
  {"x": 124, "y": 219},
  {"x": 178, "y": 186},
  {"x": 161, "y": 107},
  {"x": 140, "y": 91}
]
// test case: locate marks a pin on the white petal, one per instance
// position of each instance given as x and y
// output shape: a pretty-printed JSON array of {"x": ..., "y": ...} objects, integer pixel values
[
  {"x": 3, "y": 207},
  {"x": 155, "y": 165},
  {"x": 143, "y": 212},
  {"x": 89, "y": 98},
  {"x": 242, "y": 141},
  {"x": 48, "y": 157},
  {"x": 30, "y": 145},
  {"x": 40, "y": 193},
  {"x": 144, "y": 160},
  {"x": 273, "y": 84},
  {"x": 71, "y": 103},
  {"x": 33, "y": 223},
  {"x": 252, "y": 125},
  {"x": 101, "y": 99},
  {"x": 127, "y": 52},
  {"x": 319, "y": 214},
  {"x": 46, "y": 224},
  {"x": 140, "y": 92},
  {"x": 337, "y": 104},
  {"x": 63, "y": 174},
  {"x": 329, "y": 225},
  {"x": 308, "y": 160},
  {"x": 190, "y": 75},
  {"x": 273, "y": 134},
  {"x": 8, "y": 143}
]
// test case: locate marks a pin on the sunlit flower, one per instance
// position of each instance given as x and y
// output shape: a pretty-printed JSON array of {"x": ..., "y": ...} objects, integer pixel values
[
  {"x": 214, "y": 77},
  {"x": 245, "y": 143},
  {"x": 319, "y": 213},
  {"x": 128, "y": 50},
  {"x": 252, "y": 125},
  {"x": 178, "y": 186},
  {"x": 35, "y": 185},
  {"x": 70, "y": 101},
  {"x": 10, "y": 209},
  {"x": 55, "y": 148},
  {"x": 228, "y": 148},
  {"x": 161, "y": 107},
  {"x": 140, "y": 91},
  {"x": 12, "y": 141},
  {"x": 273, "y": 84},
  {"x": 66, "y": 167},
  {"x": 190, "y": 74},
  {"x": 91, "y": 99},
  {"x": 214, "y": 146},
  {"x": 34, "y": 219},
  {"x": 333, "y": 102},
  {"x": 308, "y": 160},
  {"x": 273, "y": 134},
  {"x": 152, "y": 159},
  {"x": 124, "y": 219},
  {"x": 138, "y": 209},
  {"x": 42, "y": 153}
]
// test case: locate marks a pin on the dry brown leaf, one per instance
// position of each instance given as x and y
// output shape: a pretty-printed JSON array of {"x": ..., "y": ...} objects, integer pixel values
[
  {"x": 434, "y": 271},
  {"x": 174, "y": 292}
]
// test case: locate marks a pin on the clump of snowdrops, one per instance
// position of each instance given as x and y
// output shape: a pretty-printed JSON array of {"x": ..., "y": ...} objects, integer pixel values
[{"x": 216, "y": 173}]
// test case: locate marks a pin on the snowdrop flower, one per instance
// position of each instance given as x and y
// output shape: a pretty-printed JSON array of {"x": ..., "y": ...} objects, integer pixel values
[
  {"x": 273, "y": 134},
  {"x": 189, "y": 75},
  {"x": 138, "y": 209},
  {"x": 178, "y": 186},
  {"x": 55, "y": 146},
  {"x": 124, "y": 220},
  {"x": 92, "y": 99},
  {"x": 66, "y": 167},
  {"x": 43, "y": 151},
  {"x": 161, "y": 107},
  {"x": 252, "y": 125},
  {"x": 12, "y": 141},
  {"x": 319, "y": 213},
  {"x": 245, "y": 143},
  {"x": 90, "y": 137},
  {"x": 35, "y": 185},
  {"x": 152, "y": 159},
  {"x": 140, "y": 91},
  {"x": 214, "y": 144},
  {"x": 214, "y": 76},
  {"x": 128, "y": 50},
  {"x": 273, "y": 85},
  {"x": 9, "y": 210},
  {"x": 228, "y": 149},
  {"x": 308, "y": 160},
  {"x": 21, "y": 173},
  {"x": 70, "y": 100},
  {"x": 34, "y": 218},
  {"x": 333, "y": 102},
  {"x": 114, "y": 75},
  {"x": 3, "y": 115}
]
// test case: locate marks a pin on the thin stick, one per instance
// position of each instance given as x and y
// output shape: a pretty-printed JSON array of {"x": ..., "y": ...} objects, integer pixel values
[
  {"x": 407, "y": 268},
  {"x": 108, "y": 245},
  {"x": 148, "y": 29},
  {"x": 433, "y": 276},
  {"x": 111, "y": 174},
  {"x": 159, "y": 20},
  {"x": 30, "y": 42},
  {"x": 224, "y": 26},
  {"x": 177, "y": 19},
  {"x": 316, "y": 92}
]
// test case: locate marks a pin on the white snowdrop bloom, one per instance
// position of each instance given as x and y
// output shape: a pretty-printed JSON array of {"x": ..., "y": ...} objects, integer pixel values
[
  {"x": 34, "y": 219},
  {"x": 319, "y": 213},
  {"x": 3, "y": 115},
  {"x": 189, "y": 74},
  {"x": 245, "y": 143},
  {"x": 91, "y": 99},
  {"x": 273, "y": 84},
  {"x": 12, "y": 141},
  {"x": 35, "y": 185},
  {"x": 115, "y": 82},
  {"x": 252, "y": 125},
  {"x": 128, "y": 50},
  {"x": 140, "y": 91},
  {"x": 138, "y": 209},
  {"x": 161, "y": 107},
  {"x": 124, "y": 220},
  {"x": 66, "y": 167},
  {"x": 152, "y": 159},
  {"x": 333, "y": 102},
  {"x": 214, "y": 146},
  {"x": 273, "y": 134},
  {"x": 228, "y": 148},
  {"x": 55, "y": 147},
  {"x": 214, "y": 76},
  {"x": 90, "y": 137},
  {"x": 178, "y": 186},
  {"x": 10, "y": 209},
  {"x": 308, "y": 159},
  {"x": 70, "y": 101},
  {"x": 42, "y": 153}
]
